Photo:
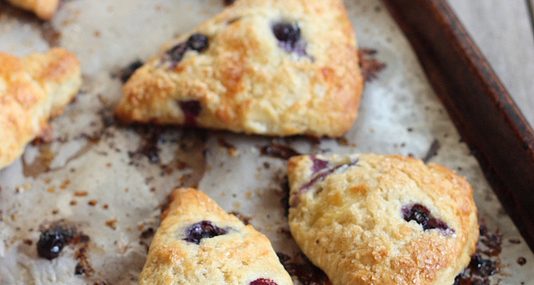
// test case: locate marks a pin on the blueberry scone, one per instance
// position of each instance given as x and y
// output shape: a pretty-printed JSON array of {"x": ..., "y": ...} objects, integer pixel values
[
  {"x": 268, "y": 67},
  {"x": 378, "y": 219},
  {"x": 199, "y": 243},
  {"x": 44, "y": 9},
  {"x": 32, "y": 90}
]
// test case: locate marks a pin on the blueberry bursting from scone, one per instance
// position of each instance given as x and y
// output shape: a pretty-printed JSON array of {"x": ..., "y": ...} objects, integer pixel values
[
  {"x": 199, "y": 243},
  {"x": 378, "y": 219},
  {"x": 262, "y": 67}
]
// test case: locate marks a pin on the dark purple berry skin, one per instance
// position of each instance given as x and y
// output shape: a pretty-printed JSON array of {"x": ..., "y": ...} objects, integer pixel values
[
  {"x": 421, "y": 215},
  {"x": 228, "y": 2},
  {"x": 482, "y": 266},
  {"x": 263, "y": 281},
  {"x": 201, "y": 230},
  {"x": 191, "y": 110},
  {"x": 289, "y": 38},
  {"x": 198, "y": 42},
  {"x": 318, "y": 164},
  {"x": 177, "y": 52},
  {"x": 287, "y": 32},
  {"x": 52, "y": 241}
]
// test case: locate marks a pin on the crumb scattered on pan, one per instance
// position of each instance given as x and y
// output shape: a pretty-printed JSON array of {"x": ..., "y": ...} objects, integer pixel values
[
  {"x": 243, "y": 218},
  {"x": 232, "y": 150},
  {"x": 278, "y": 150},
  {"x": 369, "y": 64}
]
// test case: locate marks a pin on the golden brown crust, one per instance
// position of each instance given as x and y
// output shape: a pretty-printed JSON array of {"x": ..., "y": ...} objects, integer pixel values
[
  {"x": 351, "y": 222},
  {"x": 32, "y": 90},
  {"x": 239, "y": 257},
  {"x": 245, "y": 82},
  {"x": 44, "y": 9}
]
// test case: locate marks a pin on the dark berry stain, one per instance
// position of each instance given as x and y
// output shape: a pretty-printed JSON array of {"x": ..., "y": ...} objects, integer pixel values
[
  {"x": 198, "y": 42},
  {"x": 129, "y": 70},
  {"x": 52, "y": 241},
  {"x": 318, "y": 176},
  {"x": 492, "y": 241},
  {"x": 150, "y": 138},
  {"x": 278, "y": 151},
  {"x": 421, "y": 215},
  {"x": 369, "y": 65},
  {"x": 289, "y": 37},
  {"x": 318, "y": 164},
  {"x": 478, "y": 271},
  {"x": 324, "y": 172},
  {"x": 485, "y": 262},
  {"x": 521, "y": 261},
  {"x": 191, "y": 110},
  {"x": 301, "y": 268},
  {"x": 176, "y": 53},
  {"x": 79, "y": 269},
  {"x": 205, "y": 229},
  {"x": 263, "y": 281}
]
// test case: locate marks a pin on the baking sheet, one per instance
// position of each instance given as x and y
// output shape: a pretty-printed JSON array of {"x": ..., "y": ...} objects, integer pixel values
[{"x": 109, "y": 181}]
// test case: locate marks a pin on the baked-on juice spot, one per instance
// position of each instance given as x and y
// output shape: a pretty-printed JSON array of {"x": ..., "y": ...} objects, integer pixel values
[
  {"x": 52, "y": 241},
  {"x": 318, "y": 164},
  {"x": 201, "y": 230},
  {"x": 191, "y": 110},
  {"x": 421, "y": 215},
  {"x": 323, "y": 172},
  {"x": 320, "y": 171},
  {"x": 289, "y": 38},
  {"x": 263, "y": 281}
]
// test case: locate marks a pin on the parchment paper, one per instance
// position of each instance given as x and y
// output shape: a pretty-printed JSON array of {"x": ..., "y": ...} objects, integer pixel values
[{"x": 109, "y": 181}]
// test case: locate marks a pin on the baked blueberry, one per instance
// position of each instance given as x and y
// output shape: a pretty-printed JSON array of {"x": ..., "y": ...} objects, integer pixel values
[
  {"x": 52, "y": 241},
  {"x": 263, "y": 281},
  {"x": 201, "y": 230},
  {"x": 191, "y": 110},
  {"x": 341, "y": 213},
  {"x": 318, "y": 164},
  {"x": 225, "y": 60},
  {"x": 239, "y": 257},
  {"x": 177, "y": 52},
  {"x": 421, "y": 215},
  {"x": 287, "y": 33},
  {"x": 289, "y": 37},
  {"x": 198, "y": 42}
]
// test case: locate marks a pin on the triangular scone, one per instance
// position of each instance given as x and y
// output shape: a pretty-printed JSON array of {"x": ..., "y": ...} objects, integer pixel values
[
  {"x": 44, "y": 9},
  {"x": 199, "y": 243},
  {"x": 269, "y": 67},
  {"x": 378, "y": 219},
  {"x": 32, "y": 90}
]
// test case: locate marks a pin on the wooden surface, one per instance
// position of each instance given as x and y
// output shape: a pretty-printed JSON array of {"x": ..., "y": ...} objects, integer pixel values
[{"x": 504, "y": 32}]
